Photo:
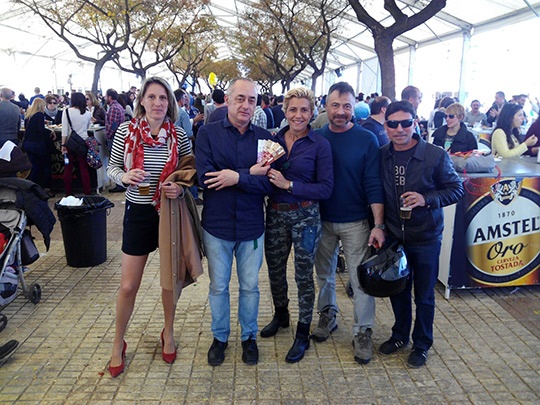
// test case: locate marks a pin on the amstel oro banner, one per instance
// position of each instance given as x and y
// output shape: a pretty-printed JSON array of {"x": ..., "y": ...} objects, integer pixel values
[{"x": 501, "y": 233}]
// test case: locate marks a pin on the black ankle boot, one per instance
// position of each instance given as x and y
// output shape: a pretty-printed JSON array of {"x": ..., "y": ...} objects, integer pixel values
[
  {"x": 300, "y": 345},
  {"x": 280, "y": 320}
]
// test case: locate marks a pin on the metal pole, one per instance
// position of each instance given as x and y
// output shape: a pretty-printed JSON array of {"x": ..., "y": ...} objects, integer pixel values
[
  {"x": 412, "y": 62},
  {"x": 358, "y": 76},
  {"x": 464, "y": 64}
]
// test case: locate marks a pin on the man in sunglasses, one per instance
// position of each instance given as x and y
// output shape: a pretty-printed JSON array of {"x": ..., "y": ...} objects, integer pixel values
[
  {"x": 419, "y": 179},
  {"x": 357, "y": 188}
]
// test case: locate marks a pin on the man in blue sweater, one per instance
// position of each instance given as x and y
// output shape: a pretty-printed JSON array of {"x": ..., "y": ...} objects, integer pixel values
[{"x": 357, "y": 186}]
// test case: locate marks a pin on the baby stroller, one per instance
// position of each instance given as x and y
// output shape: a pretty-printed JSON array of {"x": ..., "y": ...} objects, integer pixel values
[
  {"x": 22, "y": 203},
  {"x": 17, "y": 250}
]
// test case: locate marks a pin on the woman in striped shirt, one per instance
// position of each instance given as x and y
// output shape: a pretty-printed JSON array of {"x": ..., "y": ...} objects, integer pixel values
[{"x": 147, "y": 148}]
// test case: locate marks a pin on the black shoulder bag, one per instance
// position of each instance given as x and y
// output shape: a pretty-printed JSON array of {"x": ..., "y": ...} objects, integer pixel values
[{"x": 74, "y": 141}]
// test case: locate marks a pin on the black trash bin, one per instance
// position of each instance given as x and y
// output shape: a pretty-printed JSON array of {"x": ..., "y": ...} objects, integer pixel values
[{"x": 84, "y": 230}]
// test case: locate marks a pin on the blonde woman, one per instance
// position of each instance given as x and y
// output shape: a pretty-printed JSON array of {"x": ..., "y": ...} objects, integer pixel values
[
  {"x": 301, "y": 178},
  {"x": 97, "y": 113},
  {"x": 454, "y": 136},
  {"x": 38, "y": 144}
]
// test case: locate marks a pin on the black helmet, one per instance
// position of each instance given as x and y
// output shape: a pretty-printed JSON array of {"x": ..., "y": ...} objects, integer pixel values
[{"x": 385, "y": 273}]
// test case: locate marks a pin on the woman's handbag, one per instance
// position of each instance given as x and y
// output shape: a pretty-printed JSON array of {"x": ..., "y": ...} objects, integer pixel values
[
  {"x": 29, "y": 252},
  {"x": 92, "y": 156},
  {"x": 75, "y": 142},
  {"x": 385, "y": 273}
]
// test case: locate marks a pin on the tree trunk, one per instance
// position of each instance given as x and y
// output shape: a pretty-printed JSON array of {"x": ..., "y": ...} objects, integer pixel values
[
  {"x": 97, "y": 72},
  {"x": 316, "y": 74},
  {"x": 284, "y": 86},
  {"x": 383, "y": 47}
]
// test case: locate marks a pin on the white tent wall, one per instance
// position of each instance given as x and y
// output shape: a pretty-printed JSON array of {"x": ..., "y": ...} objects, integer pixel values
[
  {"x": 505, "y": 59},
  {"x": 21, "y": 72}
]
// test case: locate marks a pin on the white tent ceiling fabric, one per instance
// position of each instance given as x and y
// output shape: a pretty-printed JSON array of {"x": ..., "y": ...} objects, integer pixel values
[{"x": 26, "y": 41}]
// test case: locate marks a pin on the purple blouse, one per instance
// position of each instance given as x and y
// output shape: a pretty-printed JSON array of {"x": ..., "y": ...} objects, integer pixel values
[{"x": 309, "y": 167}]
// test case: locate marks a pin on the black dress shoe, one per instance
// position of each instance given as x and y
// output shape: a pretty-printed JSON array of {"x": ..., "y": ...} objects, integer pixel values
[
  {"x": 216, "y": 354},
  {"x": 298, "y": 349},
  {"x": 250, "y": 352},
  {"x": 8, "y": 349},
  {"x": 272, "y": 328}
]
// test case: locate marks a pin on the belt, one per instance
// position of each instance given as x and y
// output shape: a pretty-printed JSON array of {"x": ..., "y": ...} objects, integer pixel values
[{"x": 291, "y": 206}]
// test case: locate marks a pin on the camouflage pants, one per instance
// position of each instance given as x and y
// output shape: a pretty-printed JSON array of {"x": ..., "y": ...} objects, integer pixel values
[{"x": 301, "y": 227}]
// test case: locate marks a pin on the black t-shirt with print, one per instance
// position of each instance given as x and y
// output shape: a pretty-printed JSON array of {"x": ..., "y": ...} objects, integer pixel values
[{"x": 401, "y": 159}]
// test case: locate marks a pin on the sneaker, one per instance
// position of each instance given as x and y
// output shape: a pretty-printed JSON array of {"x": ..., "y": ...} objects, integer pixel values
[
  {"x": 362, "y": 347},
  {"x": 216, "y": 354},
  {"x": 327, "y": 324},
  {"x": 250, "y": 352},
  {"x": 391, "y": 346},
  {"x": 417, "y": 358}
]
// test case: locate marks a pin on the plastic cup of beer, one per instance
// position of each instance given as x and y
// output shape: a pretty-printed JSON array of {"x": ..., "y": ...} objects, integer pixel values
[
  {"x": 404, "y": 212},
  {"x": 144, "y": 186}
]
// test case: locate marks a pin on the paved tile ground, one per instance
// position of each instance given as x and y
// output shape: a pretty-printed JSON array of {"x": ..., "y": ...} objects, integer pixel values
[{"x": 486, "y": 350}]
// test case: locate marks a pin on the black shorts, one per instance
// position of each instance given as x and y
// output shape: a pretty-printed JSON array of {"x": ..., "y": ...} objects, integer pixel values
[{"x": 141, "y": 229}]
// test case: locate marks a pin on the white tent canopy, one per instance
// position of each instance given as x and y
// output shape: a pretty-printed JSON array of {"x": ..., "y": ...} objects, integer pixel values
[{"x": 457, "y": 38}]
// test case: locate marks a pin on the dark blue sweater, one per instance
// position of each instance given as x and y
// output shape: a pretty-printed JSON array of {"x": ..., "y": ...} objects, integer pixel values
[{"x": 355, "y": 156}]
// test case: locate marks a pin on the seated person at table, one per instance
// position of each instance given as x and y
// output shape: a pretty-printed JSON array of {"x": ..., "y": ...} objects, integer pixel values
[
  {"x": 534, "y": 130},
  {"x": 503, "y": 139},
  {"x": 454, "y": 136},
  {"x": 475, "y": 115}
]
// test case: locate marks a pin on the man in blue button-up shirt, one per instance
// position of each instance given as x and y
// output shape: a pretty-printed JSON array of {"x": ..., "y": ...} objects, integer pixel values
[{"x": 232, "y": 218}]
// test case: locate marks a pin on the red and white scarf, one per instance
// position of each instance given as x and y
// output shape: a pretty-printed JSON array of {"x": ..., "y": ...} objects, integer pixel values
[{"x": 139, "y": 134}]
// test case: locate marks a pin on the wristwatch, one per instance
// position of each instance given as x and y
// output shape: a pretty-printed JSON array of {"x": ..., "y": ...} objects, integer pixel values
[
  {"x": 380, "y": 226},
  {"x": 290, "y": 187}
]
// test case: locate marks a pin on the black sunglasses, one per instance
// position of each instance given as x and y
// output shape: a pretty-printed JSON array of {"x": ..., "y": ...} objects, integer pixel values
[
  {"x": 451, "y": 116},
  {"x": 404, "y": 123},
  {"x": 52, "y": 102}
]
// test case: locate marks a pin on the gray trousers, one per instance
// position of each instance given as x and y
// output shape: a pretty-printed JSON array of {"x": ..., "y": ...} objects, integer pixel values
[{"x": 354, "y": 238}]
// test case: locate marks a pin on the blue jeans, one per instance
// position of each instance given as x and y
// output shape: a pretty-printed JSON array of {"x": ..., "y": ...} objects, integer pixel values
[
  {"x": 249, "y": 257},
  {"x": 424, "y": 265}
]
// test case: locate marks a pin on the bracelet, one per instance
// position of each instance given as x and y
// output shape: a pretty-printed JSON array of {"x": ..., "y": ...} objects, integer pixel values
[{"x": 380, "y": 226}]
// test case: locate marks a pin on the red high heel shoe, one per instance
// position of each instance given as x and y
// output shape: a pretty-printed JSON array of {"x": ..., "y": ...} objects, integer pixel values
[
  {"x": 167, "y": 357},
  {"x": 116, "y": 371}
]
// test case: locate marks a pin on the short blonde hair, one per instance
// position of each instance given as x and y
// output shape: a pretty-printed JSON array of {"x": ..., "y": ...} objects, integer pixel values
[
  {"x": 456, "y": 109},
  {"x": 172, "y": 109},
  {"x": 299, "y": 92}
]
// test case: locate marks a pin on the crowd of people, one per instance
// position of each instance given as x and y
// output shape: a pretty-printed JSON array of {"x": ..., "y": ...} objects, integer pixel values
[{"x": 351, "y": 164}]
